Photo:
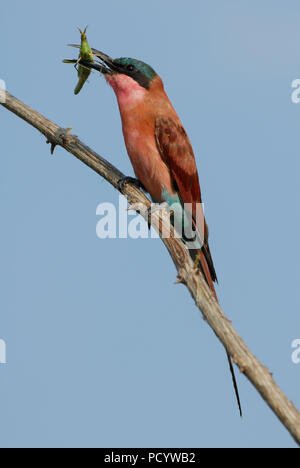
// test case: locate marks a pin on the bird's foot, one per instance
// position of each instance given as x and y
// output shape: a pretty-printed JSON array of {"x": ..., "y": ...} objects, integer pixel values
[
  {"x": 62, "y": 136},
  {"x": 129, "y": 180}
]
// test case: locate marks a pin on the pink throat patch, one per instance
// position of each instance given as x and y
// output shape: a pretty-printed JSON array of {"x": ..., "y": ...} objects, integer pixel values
[{"x": 128, "y": 91}]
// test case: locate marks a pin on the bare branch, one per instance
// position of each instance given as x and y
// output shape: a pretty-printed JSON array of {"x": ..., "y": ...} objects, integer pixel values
[{"x": 248, "y": 364}]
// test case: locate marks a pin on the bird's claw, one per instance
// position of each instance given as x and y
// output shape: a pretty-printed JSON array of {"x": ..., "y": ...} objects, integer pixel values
[{"x": 129, "y": 180}]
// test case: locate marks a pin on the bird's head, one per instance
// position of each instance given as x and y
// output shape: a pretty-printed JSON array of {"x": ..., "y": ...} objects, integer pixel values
[
  {"x": 127, "y": 76},
  {"x": 135, "y": 70}
]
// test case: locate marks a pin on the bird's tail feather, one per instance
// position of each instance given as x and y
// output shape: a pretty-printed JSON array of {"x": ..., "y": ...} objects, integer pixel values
[
  {"x": 235, "y": 386},
  {"x": 199, "y": 257}
]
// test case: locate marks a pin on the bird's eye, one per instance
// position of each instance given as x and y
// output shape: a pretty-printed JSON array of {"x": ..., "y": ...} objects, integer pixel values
[{"x": 130, "y": 68}]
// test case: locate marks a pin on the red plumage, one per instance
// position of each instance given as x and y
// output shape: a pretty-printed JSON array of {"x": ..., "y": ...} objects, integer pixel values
[
  {"x": 177, "y": 152},
  {"x": 163, "y": 159}
]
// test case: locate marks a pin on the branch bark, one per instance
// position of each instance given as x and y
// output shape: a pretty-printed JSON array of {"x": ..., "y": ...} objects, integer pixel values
[{"x": 248, "y": 364}]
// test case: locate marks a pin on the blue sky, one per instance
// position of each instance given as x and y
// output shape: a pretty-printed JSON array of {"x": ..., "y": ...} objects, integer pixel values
[{"x": 102, "y": 349}]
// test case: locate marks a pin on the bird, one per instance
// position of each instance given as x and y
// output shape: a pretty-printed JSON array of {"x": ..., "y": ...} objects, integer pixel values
[{"x": 160, "y": 152}]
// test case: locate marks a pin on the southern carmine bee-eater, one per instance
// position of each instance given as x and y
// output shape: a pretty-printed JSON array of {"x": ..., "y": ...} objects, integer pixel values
[{"x": 159, "y": 149}]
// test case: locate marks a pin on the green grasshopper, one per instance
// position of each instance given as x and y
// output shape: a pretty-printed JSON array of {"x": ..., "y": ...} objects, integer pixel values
[{"x": 84, "y": 54}]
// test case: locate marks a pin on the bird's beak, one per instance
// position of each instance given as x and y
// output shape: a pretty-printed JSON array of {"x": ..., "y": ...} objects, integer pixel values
[
  {"x": 106, "y": 66},
  {"x": 109, "y": 62}
]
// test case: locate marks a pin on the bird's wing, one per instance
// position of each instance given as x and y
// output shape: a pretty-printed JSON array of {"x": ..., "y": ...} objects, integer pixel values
[{"x": 176, "y": 151}]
